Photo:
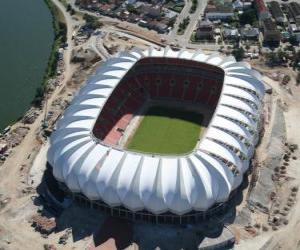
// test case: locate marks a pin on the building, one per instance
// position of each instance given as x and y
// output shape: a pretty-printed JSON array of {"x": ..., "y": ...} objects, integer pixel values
[
  {"x": 218, "y": 12},
  {"x": 151, "y": 11},
  {"x": 231, "y": 34},
  {"x": 250, "y": 33},
  {"x": 205, "y": 30},
  {"x": 261, "y": 9},
  {"x": 160, "y": 27},
  {"x": 271, "y": 34},
  {"x": 88, "y": 164},
  {"x": 294, "y": 12},
  {"x": 276, "y": 12},
  {"x": 295, "y": 31},
  {"x": 240, "y": 5}
]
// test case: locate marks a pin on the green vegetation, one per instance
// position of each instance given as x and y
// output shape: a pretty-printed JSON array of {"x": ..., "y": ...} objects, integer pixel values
[
  {"x": 60, "y": 31},
  {"x": 167, "y": 131},
  {"x": 131, "y": 9},
  {"x": 173, "y": 5},
  {"x": 248, "y": 17},
  {"x": 298, "y": 78},
  {"x": 177, "y": 8},
  {"x": 39, "y": 96},
  {"x": 194, "y": 6},
  {"x": 238, "y": 53},
  {"x": 92, "y": 22},
  {"x": 193, "y": 37},
  {"x": 171, "y": 22},
  {"x": 295, "y": 60},
  {"x": 182, "y": 26},
  {"x": 276, "y": 58},
  {"x": 293, "y": 40},
  {"x": 60, "y": 37},
  {"x": 70, "y": 9}
]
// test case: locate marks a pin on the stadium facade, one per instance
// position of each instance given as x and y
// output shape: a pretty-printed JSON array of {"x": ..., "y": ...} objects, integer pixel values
[{"x": 93, "y": 168}]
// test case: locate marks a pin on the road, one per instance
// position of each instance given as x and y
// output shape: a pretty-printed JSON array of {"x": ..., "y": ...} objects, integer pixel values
[
  {"x": 10, "y": 168},
  {"x": 184, "y": 40},
  {"x": 183, "y": 14},
  {"x": 69, "y": 23}
]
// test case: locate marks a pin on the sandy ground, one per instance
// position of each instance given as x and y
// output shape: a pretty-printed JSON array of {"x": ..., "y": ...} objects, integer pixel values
[
  {"x": 14, "y": 215},
  {"x": 286, "y": 237},
  {"x": 24, "y": 169},
  {"x": 38, "y": 166}
]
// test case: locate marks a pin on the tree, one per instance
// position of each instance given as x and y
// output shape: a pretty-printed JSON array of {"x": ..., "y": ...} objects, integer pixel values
[
  {"x": 272, "y": 58},
  {"x": 194, "y": 6},
  {"x": 131, "y": 9},
  {"x": 238, "y": 54},
  {"x": 293, "y": 40},
  {"x": 92, "y": 22},
  {"x": 247, "y": 47},
  {"x": 296, "y": 60},
  {"x": 248, "y": 17},
  {"x": 282, "y": 55},
  {"x": 69, "y": 7},
  {"x": 39, "y": 96},
  {"x": 298, "y": 78}
]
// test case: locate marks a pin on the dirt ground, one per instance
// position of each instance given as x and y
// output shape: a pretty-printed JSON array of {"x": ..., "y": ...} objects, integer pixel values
[
  {"x": 283, "y": 237},
  {"x": 85, "y": 228}
]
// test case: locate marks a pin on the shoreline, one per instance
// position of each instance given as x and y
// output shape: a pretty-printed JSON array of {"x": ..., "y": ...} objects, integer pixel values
[
  {"x": 60, "y": 31},
  {"x": 60, "y": 37}
]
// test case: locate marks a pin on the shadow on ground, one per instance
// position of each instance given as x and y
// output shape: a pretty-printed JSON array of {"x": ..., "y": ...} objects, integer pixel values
[{"x": 85, "y": 222}]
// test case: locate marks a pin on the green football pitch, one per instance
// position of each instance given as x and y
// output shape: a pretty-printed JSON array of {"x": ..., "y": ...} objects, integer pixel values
[{"x": 167, "y": 131}]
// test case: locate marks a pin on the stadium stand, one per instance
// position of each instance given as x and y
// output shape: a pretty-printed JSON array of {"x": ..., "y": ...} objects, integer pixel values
[{"x": 157, "y": 78}]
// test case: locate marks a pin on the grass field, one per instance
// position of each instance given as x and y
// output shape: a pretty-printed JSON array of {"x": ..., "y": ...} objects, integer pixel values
[{"x": 167, "y": 131}]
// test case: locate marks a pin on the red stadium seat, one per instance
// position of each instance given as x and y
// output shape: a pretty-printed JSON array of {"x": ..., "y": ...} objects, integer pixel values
[{"x": 152, "y": 78}]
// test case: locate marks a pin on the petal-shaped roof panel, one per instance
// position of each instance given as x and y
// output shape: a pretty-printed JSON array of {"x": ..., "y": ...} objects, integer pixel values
[{"x": 160, "y": 183}]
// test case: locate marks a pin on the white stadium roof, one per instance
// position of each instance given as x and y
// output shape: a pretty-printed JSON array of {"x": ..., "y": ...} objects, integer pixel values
[{"x": 158, "y": 183}]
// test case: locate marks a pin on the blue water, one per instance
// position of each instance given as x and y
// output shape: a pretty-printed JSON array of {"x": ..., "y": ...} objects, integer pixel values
[{"x": 25, "y": 44}]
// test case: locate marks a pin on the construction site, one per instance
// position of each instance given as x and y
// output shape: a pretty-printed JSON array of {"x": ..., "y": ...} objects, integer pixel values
[{"x": 264, "y": 214}]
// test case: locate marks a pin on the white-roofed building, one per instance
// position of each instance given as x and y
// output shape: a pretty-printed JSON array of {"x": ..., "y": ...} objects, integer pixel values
[{"x": 159, "y": 187}]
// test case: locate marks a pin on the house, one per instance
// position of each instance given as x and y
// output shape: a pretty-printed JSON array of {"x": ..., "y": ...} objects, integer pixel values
[
  {"x": 133, "y": 18},
  {"x": 150, "y": 11},
  {"x": 276, "y": 12},
  {"x": 231, "y": 34},
  {"x": 158, "y": 26},
  {"x": 218, "y": 12},
  {"x": 205, "y": 30},
  {"x": 131, "y": 1},
  {"x": 294, "y": 12},
  {"x": 240, "y": 5},
  {"x": 249, "y": 33},
  {"x": 261, "y": 9},
  {"x": 293, "y": 28},
  {"x": 295, "y": 31},
  {"x": 271, "y": 34}
]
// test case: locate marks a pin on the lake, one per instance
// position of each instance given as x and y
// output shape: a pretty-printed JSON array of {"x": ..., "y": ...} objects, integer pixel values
[{"x": 25, "y": 45}]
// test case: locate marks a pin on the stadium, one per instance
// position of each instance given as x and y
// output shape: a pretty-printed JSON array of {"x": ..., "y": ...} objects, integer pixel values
[{"x": 159, "y": 135}]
